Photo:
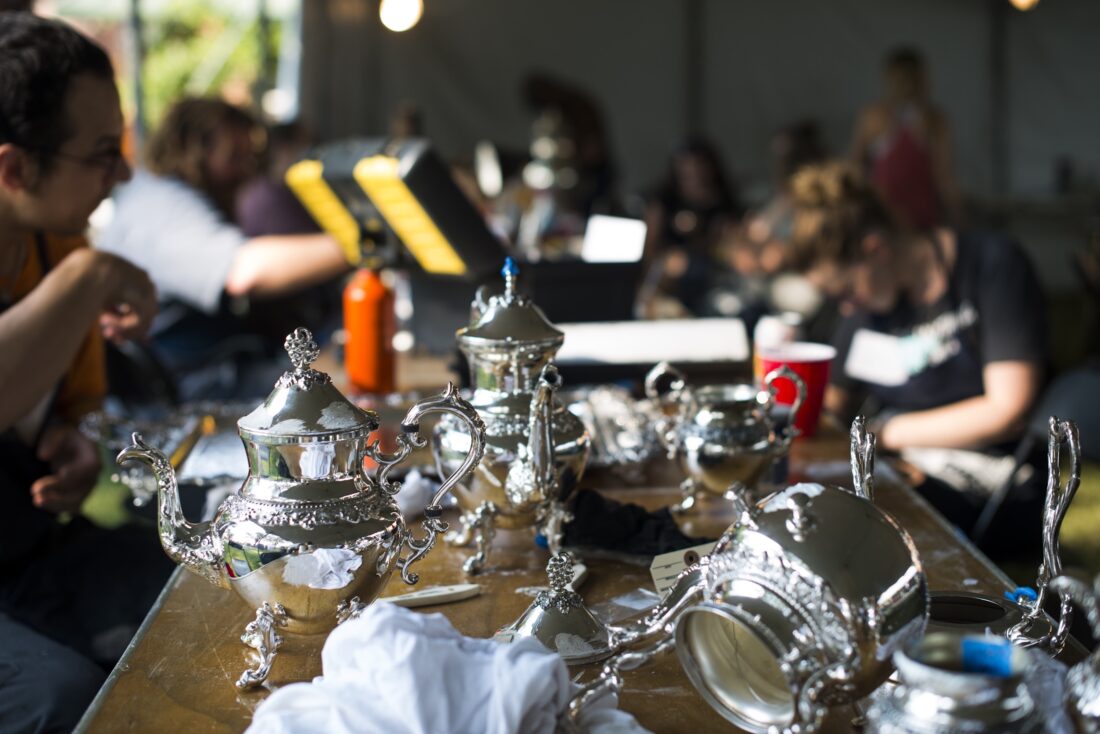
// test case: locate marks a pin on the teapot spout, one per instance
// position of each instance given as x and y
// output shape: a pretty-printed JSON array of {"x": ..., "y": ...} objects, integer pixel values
[
  {"x": 532, "y": 477},
  {"x": 189, "y": 544}
]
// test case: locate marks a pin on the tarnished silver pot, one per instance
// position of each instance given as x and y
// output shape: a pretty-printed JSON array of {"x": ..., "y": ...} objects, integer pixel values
[
  {"x": 798, "y": 608},
  {"x": 308, "y": 529},
  {"x": 958, "y": 684},
  {"x": 724, "y": 435},
  {"x": 535, "y": 449}
]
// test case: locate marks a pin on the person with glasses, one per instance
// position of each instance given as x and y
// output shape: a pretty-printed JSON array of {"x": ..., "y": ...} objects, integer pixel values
[
  {"x": 71, "y": 594},
  {"x": 176, "y": 220}
]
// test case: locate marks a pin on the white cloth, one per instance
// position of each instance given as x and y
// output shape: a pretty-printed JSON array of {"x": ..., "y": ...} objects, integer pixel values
[
  {"x": 176, "y": 234},
  {"x": 396, "y": 671}
]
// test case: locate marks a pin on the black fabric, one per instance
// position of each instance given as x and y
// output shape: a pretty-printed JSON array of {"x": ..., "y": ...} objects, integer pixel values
[
  {"x": 1016, "y": 533},
  {"x": 24, "y": 529},
  {"x": 992, "y": 311},
  {"x": 626, "y": 528},
  {"x": 88, "y": 588}
]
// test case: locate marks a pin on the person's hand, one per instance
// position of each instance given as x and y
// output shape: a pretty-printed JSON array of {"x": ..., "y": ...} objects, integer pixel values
[
  {"x": 74, "y": 461},
  {"x": 131, "y": 301}
]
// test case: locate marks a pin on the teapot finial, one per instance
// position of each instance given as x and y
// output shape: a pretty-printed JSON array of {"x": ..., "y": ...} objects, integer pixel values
[
  {"x": 509, "y": 271},
  {"x": 303, "y": 351},
  {"x": 561, "y": 595},
  {"x": 301, "y": 347}
]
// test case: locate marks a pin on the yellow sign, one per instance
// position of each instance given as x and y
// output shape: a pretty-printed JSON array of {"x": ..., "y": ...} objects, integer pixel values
[
  {"x": 379, "y": 177},
  {"x": 306, "y": 180}
]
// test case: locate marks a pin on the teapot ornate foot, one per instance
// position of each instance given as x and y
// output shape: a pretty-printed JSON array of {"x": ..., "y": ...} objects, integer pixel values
[
  {"x": 551, "y": 527},
  {"x": 462, "y": 535},
  {"x": 482, "y": 522},
  {"x": 261, "y": 634},
  {"x": 690, "y": 493}
]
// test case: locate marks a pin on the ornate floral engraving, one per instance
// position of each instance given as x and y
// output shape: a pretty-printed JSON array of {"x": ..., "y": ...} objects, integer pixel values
[{"x": 305, "y": 514}]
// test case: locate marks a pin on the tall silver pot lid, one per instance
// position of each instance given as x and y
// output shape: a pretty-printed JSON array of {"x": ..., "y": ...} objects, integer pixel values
[
  {"x": 508, "y": 321},
  {"x": 305, "y": 406}
]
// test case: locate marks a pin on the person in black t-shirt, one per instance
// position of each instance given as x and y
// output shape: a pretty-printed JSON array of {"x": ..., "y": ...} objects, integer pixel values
[{"x": 944, "y": 333}]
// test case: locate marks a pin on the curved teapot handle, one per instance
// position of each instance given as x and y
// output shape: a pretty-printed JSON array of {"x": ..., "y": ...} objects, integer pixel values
[
  {"x": 863, "y": 459},
  {"x": 667, "y": 427},
  {"x": 449, "y": 401},
  {"x": 783, "y": 372},
  {"x": 653, "y": 382},
  {"x": 1055, "y": 506}
]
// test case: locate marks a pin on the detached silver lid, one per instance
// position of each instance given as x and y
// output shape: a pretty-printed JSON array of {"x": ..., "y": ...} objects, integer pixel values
[
  {"x": 508, "y": 321},
  {"x": 305, "y": 406},
  {"x": 559, "y": 619}
]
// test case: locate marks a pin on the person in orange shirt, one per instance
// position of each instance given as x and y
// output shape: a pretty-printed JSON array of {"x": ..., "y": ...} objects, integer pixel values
[{"x": 70, "y": 593}]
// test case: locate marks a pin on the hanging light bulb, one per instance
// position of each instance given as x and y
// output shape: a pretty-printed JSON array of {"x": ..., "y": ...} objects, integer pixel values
[
  {"x": 1024, "y": 5},
  {"x": 400, "y": 15}
]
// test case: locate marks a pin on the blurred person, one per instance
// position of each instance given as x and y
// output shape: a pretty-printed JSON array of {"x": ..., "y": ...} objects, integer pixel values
[
  {"x": 945, "y": 335},
  {"x": 71, "y": 594},
  {"x": 759, "y": 246},
  {"x": 903, "y": 141},
  {"x": 685, "y": 221},
  {"x": 176, "y": 221},
  {"x": 266, "y": 206}
]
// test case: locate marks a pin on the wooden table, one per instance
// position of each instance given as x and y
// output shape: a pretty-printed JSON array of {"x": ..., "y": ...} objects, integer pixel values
[{"x": 178, "y": 673}]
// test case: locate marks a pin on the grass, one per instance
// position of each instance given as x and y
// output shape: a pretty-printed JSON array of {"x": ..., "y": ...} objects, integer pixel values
[{"x": 1081, "y": 529}]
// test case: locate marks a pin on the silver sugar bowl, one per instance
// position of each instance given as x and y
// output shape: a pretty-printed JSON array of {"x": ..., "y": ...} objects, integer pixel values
[
  {"x": 535, "y": 449},
  {"x": 958, "y": 684},
  {"x": 724, "y": 435},
  {"x": 798, "y": 608},
  {"x": 308, "y": 530}
]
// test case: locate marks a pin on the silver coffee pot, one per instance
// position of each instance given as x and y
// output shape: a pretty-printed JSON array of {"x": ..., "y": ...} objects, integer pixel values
[
  {"x": 535, "y": 449},
  {"x": 308, "y": 529},
  {"x": 798, "y": 608},
  {"x": 724, "y": 435}
]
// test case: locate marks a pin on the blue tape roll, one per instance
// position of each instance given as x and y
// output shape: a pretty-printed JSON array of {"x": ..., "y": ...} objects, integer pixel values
[
  {"x": 1021, "y": 593},
  {"x": 988, "y": 656}
]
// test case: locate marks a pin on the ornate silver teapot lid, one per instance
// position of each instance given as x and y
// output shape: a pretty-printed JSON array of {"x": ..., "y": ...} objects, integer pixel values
[
  {"x": 305, "y": 406},
  {"x": 508, "y": 321},
  {"x": 559, "y": 619}
]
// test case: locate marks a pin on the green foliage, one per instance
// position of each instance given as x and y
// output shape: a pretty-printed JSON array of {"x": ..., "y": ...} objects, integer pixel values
[{"x": 194, "y": 47}]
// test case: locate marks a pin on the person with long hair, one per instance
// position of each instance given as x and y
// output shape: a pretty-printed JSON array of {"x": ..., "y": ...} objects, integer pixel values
[
  {"x": 176, "y": 221},
  {"x": 903, "y": 143},
  {"x": 686, "y": 219},
  {"x": 945, "y": 334}
]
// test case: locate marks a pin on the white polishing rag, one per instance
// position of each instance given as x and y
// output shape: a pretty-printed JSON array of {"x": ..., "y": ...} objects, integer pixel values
[{"x": 396, "y": 671}]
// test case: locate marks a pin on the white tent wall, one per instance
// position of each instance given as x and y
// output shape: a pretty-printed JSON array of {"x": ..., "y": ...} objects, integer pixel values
[{"x": 762, "y": 65}]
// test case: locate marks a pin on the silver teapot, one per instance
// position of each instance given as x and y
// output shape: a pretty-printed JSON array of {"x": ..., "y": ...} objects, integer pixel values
[
  {"x": 308, "y": 530},
  {"x": 798, "y": 608},
  {"x": 724, "y": 435},
  {"x": 958, "y": 684},
  {"x": 535, "y": 449}
]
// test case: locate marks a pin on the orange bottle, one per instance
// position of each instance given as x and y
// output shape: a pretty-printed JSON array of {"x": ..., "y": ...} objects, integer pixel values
[{"x": 370, "y": 324}]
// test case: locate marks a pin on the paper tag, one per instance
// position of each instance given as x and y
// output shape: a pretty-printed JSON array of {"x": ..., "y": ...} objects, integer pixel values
[
  {"x": 435, "y": 595},
  {"x": 580, "y": 574},
  {"x": 876, "y": 358},
  {"x": 667, "y": 566}
]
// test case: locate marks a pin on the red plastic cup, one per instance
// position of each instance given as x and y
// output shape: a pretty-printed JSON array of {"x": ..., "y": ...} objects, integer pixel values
[{"x": 810, "y": 362}]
